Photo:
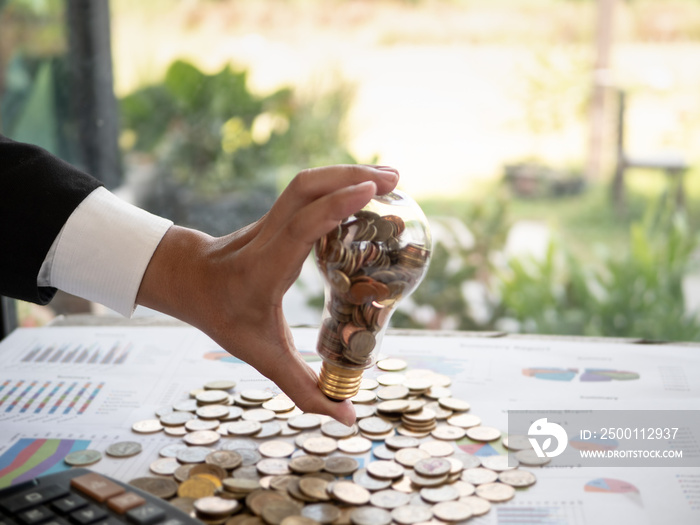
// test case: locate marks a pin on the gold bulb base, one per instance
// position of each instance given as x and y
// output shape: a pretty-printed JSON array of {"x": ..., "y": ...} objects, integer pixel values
[{"x": 339, "y": 383}]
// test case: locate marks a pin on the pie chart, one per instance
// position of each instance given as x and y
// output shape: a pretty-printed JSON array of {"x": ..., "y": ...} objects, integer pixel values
[
  {"x": 551, "y": 374},
  {"x": 602, "y": 374},
  {"x": 610, "y": 485}
]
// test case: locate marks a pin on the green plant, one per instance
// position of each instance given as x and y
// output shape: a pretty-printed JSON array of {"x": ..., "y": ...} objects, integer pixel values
[{"x": 635, "y": 294}]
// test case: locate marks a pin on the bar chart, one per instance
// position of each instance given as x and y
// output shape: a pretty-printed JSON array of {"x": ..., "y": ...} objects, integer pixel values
[
  {"x": 21, "y": 396},
  {"x": 116, "y": 353}
]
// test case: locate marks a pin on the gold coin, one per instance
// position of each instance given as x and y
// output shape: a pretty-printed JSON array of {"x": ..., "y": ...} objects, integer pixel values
[
  {"x": 147, "y": 426},
  {"x": 350, "y": 493},
  {"x": 495, "y": 492},
  {"x": 196, "y": 488},
  {"x": 276, "y": 449},
  {"x": 276, "y": 511},
  {"x": 208, "y": 477},
  {"x": 208, "y": 469}
]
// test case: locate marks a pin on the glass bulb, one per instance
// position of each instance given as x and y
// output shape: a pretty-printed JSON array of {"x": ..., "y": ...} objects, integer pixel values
[{"x": 371, "y": 261}]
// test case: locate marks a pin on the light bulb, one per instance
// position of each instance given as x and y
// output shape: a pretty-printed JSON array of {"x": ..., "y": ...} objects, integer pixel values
[{"x": 371, "y": 261}]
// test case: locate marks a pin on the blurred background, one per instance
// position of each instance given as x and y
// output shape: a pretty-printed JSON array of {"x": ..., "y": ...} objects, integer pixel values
[{"x": 553, "y": 144}]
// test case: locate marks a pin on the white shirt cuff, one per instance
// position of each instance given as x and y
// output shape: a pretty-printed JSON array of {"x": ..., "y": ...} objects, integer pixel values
[{"x": 103, "y": 250}]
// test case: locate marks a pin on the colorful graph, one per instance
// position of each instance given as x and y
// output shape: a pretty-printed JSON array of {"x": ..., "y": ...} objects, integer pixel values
[
  {"x": 593, "y": 443},
  {"x": 29, "y": 458},
  {"x": 478, "y": 448},
  {"x": 47, "y": 397},
  {"x": 602, "y": 374},
  {"x": 610, "y": 485},
  {"x": 221, "y": 355},
  {"x": 551, "y": 374},
  {"x": 94, "y": 354}
]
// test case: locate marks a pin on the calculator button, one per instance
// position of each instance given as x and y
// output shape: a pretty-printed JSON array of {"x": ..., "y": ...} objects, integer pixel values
[
  {"x": 146, "y": 514},
  {"x": 36, "y": 515},
  {"x": 89, "y": 514},
  {"x": 127, "y": 501},
  {"x": 34, "y": 497},
  {"x": 97, "y": 487},
  {"x": 69, "y": 504}
]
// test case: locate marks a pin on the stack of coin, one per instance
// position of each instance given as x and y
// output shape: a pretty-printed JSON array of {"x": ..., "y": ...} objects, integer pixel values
[
  {"x": 308, "y": 472},
  {"x": 369, "y": 266}
]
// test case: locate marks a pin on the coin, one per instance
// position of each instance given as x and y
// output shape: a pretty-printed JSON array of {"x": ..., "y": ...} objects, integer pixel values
[
  {"x": 392, "y": 364},
  {"x": 273, "y": 466},
  {"x": 196, "y": 488},
  {"x": 244, "y": 428},
  {"x": 279, "y": 403},
  {"x": 294, "y": 520},
  {"x": 341, "y": 465},
  {"x": 306, "y": 464},
  {"x": 321, "y": 512},
  {"x": 159, "y": 487},
  {"x": 194, "y": 425},
  {"x": 171, "y": 450},
  {"x": 147, "y": 426},
  {"x": 226, "y": 459},
  {"x": 479, "y": 476},
  {"x": 389, "y": 499},
  {"x": 383, "y": 452},
  {"x": 124, "y": 449},
  {"x": 174, "y": 419},
  {"x": 221, "y": 384},
  {"x": 213, "y": 472},
  {"x": 364, "y": 396},
  {"x": 315, "y": 488},
  {"x": 276, "y": 511},
  {"x": 426, "y": 481},
  {"x": 483, "y": 433},
  {"x": 478, "y": 505},
  {"x": 354, "y": 445},
  {"x": 350, "y": 493},
  {"x": 202, "y": 437},
  {"x": 499, "y": 463},
  {"x": 397, "y": 442},
  {"x": 164, "y": 466},
  {"x": 239, "y": 443},
  {"x": 437, "y": 448},
  {"x": 240, "y": 485},
  {"x": 213, "y": 507},
  {"x": 448, "y": 433},
  {"x": 530, "y": 457},
  {"x": 464, "y": 489},
  {"x": 411, "y": 514},
  {"x": 467, "y": 460},
  {"x": 258, "y": 414},
  {"x": 186, "y": 405},
  {"x": 320, "y": 445},
  {"x": 374, "y": 425},
  {"x": 439, "y": 494},
  {"x": 392, "y": 392},
  {"x": 276, "y": 449},
  {"x": 337, "y": 430},
  {"x": 249, "y": 457},
  {"x": 175, "y": 431},
  {"x": 362, "y": 478},
  {"x": 464, "y": 420},
  {"x": 211, "y": 397},
  {"x": 257, "y": 395},
  {"x": 213, "y": 412},
  {"x": 192, "y": 455},
  {"x": 305, "y": 422},
  {"x": 517, "y": 478},
  {"x": 495, "y": 492},
  {"x": 385, "y": 469},
  {"x": 516, "y": 442},
  {"x": 454, "y": 404},
  {"x": 391, "y": 379},
  {"x": 451, "y": 511},
  {"x": 183, "y": 472},
  {"x": 186, "y": 505},
  {"x": 433, "y": 466},
  {"x": 408, "y": 457},
  {"x": 82, "y": 458},
  {"x": 370, "y": 516},
  {"x": 368, "y": 383}
]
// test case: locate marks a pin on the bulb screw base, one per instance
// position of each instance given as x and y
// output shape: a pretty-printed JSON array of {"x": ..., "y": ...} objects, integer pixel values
[{"x": 339, "y": 383}]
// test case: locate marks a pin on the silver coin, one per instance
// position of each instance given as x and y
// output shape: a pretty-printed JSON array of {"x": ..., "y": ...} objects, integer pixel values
[
  {"x": 193, "y": 454},
  {"x": 370, "y": 516},
  {"x": 517, "y": 478},
  {"x": 124, "y": 449},
  {"x": 499, "y": 463},
  {"x": 530, "y": 457},
  {"x": 81, "y": 458},
  {"x": 411, "y": 514}
]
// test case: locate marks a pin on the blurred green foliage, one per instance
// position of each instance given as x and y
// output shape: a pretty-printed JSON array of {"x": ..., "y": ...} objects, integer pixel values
[
  {"x": 636, "y": 293},
  {"x": 213, "y": 134}
]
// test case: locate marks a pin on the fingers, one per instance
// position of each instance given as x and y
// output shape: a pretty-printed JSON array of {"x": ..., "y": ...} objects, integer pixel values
[{"x": 313, "y": 184}]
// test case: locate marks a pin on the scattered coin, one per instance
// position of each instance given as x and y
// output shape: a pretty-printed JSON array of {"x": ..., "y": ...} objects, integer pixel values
[
  {"x": 276, "y": 449},
  {"x": 174, "y": 419},
  {"x": 147, "y": 426},
  {"x": 123, "y": 449},
  {"x": 478, "y": 505},
  {"x": 337, "y": 430},
  {"x": 350, "y": 493},
  {"x": 408, "y": 457},
  {"x": 305, "y": 422},
  {"x": 354, "y": 445},
  {"x": 226, "y": 459},
  {"x": 389, "y": 499},
  {"x": 517, "y": 478},
  {"x": 320, "y": 513},
  {"x": 439, "y": 494},
  {"x": 530, "y": 457},
  {"x": 482, "y": 433},
  {"x": 437, "y": 448},
  {"x": 341, "y": 465},
  {"x": 499, "y": 463},
  {"x": 479, "y": 476},
  {"x": 192, "y": 454},
  {"x": 495, "y": 492},
  {"x": 244, "y": 428},
  {"x": 412, "y": 514},
  {"x": 370, "y": 516},
  {"x": 385, "y": 469},
  {"x": 451, "y": 511},
  {"x": 392, "y": 364},
  {"x": 164, "y": 466},
  {"x": 516, "y": 442},
  {"x": 221, "y": 384},
  {"x": 464, "y": 420},
  {"x": 160, "y": 487},
  {"x": 448, "y": 433},
  {"x": 82, "y": 458},
  {"x": 320, "y": 445},
  {"x": 196, "y": 488},
  {"x": 202, "y": 438}
]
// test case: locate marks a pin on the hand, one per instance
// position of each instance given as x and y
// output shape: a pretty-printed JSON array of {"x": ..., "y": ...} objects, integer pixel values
[{"x": 232, "y": 287}]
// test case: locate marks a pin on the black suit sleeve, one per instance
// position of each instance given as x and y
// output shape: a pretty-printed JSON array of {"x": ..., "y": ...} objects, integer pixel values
[{"x": 38, "y": 192}]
